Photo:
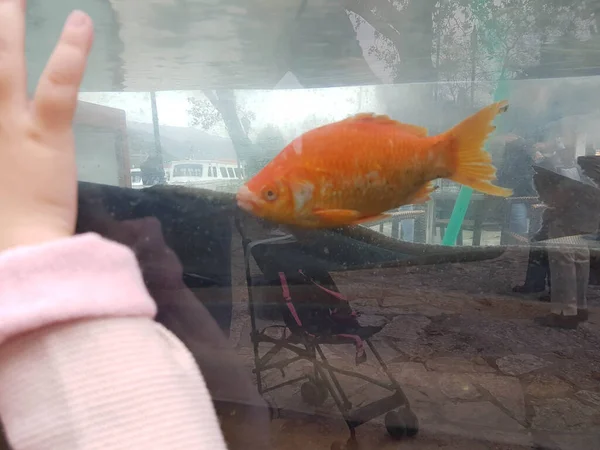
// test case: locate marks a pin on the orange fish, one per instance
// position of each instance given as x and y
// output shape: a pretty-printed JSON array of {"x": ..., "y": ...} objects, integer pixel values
[{"x": 352, "y": 171}]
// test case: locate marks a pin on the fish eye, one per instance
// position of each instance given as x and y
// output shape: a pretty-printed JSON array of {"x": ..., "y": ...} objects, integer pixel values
[{"x": 270, "y": 194}]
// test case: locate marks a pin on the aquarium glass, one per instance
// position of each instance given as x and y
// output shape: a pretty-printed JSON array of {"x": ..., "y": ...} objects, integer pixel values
[{"x": 483, "y": 311}]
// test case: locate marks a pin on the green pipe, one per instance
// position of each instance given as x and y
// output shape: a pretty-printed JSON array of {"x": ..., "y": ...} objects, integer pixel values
[
  {"x": 458, "y": 215},
  {"x": 464, "y": 195}
]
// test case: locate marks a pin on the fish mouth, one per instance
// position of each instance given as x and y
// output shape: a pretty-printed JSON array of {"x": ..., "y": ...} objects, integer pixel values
[{"x": 246, "y": 199}]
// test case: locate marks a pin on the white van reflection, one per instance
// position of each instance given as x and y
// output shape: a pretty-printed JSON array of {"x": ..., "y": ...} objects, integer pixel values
[
  {"x": 136, "y": 178},
  {"x": 206, "y": 174}
]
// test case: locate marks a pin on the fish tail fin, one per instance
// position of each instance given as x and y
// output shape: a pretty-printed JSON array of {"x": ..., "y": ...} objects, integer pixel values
[{"x": 468, "y": 162}]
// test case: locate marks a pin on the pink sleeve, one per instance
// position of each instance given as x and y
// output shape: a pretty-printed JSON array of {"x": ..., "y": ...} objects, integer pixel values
[
  {"x": 79, "y": 277},
  {"x": 82, "y": 365}
]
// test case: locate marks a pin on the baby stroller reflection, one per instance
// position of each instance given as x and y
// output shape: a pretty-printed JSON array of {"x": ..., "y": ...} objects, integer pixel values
[{"x": 301, "y": 292}]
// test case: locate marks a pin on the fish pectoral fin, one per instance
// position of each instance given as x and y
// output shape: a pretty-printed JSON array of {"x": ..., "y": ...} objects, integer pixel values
[
  {"x": 337, "y": 217},
  {"x": 423, "y": 194},
  {"x": 386, "y": 120}
]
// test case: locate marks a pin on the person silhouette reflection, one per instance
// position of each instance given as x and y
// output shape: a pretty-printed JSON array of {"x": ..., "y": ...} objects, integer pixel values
[
  {"x": 569, "y": 258},
  {"x": 153, "y": 171},
  {"x": 546, "y": 155},
  {"x": 516, "y": 173}
]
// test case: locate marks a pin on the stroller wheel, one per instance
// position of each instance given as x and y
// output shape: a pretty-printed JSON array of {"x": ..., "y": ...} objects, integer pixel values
[
  {"x": 412, "y": 423},
  {"x": 401, "y": 423},
  {"x": 313, "y": 394}
]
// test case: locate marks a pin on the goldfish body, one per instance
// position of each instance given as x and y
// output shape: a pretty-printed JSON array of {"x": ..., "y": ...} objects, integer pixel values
[{"x": 352, "y": 171}]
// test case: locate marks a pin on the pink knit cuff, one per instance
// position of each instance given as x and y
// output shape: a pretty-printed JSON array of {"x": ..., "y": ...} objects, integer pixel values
[{"x": 80, "y": 277}]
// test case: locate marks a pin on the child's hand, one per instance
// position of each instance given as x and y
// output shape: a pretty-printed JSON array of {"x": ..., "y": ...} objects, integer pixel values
[{"x": 38, "y": 184}]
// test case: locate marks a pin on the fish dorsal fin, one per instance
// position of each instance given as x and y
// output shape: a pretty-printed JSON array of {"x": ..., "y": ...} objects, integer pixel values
[{"x": 386, "y": 120}]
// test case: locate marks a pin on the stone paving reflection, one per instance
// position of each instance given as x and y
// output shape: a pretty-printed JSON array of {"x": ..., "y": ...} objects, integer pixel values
[{"x": 478, "y": 371}]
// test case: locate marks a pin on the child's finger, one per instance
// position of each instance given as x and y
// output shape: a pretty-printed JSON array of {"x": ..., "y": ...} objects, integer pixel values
[
  {"x": 12, "y": 53},
  {"x": 55, "y": 100}
]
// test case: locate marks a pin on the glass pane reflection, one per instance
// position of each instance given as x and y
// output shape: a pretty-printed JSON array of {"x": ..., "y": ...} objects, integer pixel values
[{"x": 461, "y": 330}]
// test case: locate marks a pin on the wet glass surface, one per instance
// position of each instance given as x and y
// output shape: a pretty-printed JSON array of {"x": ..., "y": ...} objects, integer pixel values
[{"x": 436, "y": 317}]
